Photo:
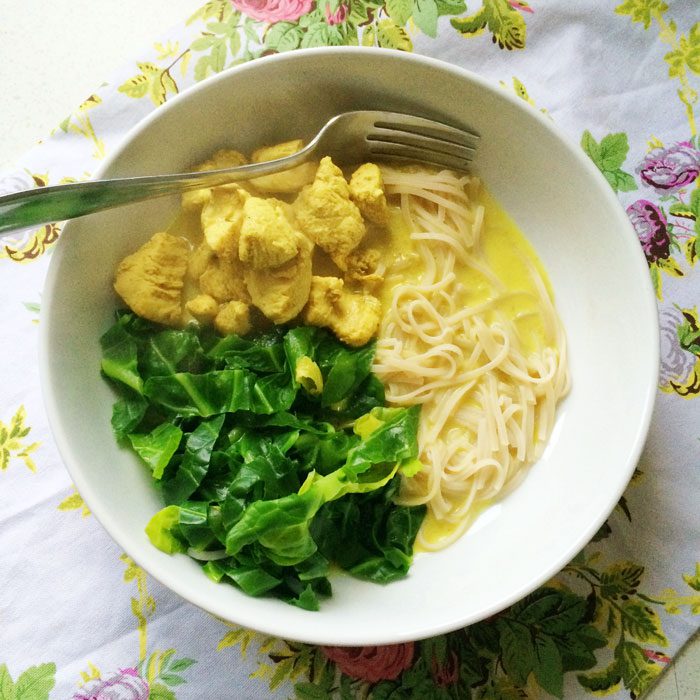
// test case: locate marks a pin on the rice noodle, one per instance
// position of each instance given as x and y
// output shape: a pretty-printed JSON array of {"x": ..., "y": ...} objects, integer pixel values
[{"x": 488, "y": 407}]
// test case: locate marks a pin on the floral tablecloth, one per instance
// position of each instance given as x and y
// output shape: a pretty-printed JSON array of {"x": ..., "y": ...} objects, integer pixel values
[{"x": 78, "y": 619}]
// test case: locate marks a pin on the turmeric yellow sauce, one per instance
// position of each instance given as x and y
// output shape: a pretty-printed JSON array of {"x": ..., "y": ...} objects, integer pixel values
[{"x": 503, "y": 248}]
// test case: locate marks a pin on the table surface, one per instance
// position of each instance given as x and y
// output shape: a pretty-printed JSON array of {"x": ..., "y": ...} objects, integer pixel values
[{"x": 67, "y": 58}]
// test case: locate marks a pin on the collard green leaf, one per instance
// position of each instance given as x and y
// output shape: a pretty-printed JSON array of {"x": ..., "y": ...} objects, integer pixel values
[
  {"x": 264, "y": 355},
  {"x": 120, "y": 357},
  {"x": 343, "y": 369},
  {"x": 195, "y": 462},
  {"x": 157, "y": 447},
  {"x": 171, "y": 351},
  {"x": 246, "y": 457},
  {"x": 393, "y": 441},
  {"x": 127, "y": 412},
  {"x": 252, "y": 580},
  {"x": 163, "y": 530},
  {"x": 193, "y": 519}
]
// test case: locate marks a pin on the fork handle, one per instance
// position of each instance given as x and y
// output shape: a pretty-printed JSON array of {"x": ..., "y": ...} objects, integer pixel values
[{"x": 59, "y": 202}]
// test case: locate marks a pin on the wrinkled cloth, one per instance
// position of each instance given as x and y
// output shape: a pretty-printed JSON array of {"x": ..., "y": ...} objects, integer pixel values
[{"x": 80, "y": 620}]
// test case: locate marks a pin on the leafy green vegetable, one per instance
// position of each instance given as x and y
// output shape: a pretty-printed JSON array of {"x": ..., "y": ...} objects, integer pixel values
[
  {"x": 164, "y": 532},
  {"x": 274, "y": 454},
  {"x": 157, "y": 447}
]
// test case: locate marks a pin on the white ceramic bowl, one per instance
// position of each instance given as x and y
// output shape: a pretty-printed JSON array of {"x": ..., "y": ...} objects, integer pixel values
[{"x": 559, "y": 200}]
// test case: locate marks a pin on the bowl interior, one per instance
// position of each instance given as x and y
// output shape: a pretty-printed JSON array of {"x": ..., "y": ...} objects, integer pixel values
[{"x": 557, "y": 198}]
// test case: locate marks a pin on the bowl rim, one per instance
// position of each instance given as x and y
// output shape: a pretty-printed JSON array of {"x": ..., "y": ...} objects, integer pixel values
[{"x": 375, "y": 636}]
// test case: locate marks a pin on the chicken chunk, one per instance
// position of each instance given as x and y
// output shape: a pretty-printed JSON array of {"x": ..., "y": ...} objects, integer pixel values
[
  {"x": 150, "y": 280},
  {"x": 367, "y": 191},
  {"x": 223, "y": 280},
  {"x": 233, "y": 318},
  {"x": 267, "y": 238},
  {"x": 326, "y": 214},
  {"x": 281, "y": 292},
  {"x": 362, "y": 266},
  {"x": 289, "y": 181},
  {"x": 222, "y": 217},
  {"x": 354, "y": 318},
  {"x": 199, "y": 261},
  {"x": 203, "y": 307},
  {"x": 224, "y": 158}
]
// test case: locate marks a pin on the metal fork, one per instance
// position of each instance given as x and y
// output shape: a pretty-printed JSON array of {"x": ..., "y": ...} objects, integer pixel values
[{"x": 350, "y": 137}]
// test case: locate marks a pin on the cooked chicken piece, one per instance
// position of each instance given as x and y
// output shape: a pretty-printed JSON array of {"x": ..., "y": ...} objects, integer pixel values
[
  {"x": 222, "y": 217},
  {"x": 203, "y": 307},
  {"x": 326, "y": 214},
  {"x": 362, "y": 267},
  {"x": 267, "y": 238},
  {"x": 367, "y": 191},
  {"x": 199, "y": 260},
  {"x": 150, "y": 280},
  {"x": 288, "y": 181},
  {"x": 354, "y": 318},
  {"x": 223, "y": 280},
  {"x": 281, "y": 292},
  {"x": 225, "y": 158},
  {"x": 233, "y": 318}
]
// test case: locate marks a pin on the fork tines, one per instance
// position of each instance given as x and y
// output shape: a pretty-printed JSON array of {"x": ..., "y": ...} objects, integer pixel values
[{"x": 406, "y": 137}]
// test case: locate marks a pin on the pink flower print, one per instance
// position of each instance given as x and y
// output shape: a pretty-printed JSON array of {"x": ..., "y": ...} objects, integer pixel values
[
  {"x": 522, "y": 6},
  {"x": 126, "y": 684},
  {"x": 274, "y": 10},
  {"x": 651, "y": 226},
  {"x": 657, "y": 656},
  {"x": 671, "y": 168},
  {"x": 447, "y": 672},
  {"x": 337, "y": 17},
  {"x": 372, "y": 663}
]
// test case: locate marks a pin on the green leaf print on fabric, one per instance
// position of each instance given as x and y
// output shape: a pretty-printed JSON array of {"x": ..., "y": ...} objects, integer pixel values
[
  {"x": 528, "y": 648},
  {"x": 609, "y": 155},
  {"x": 642, "y": 10},
  {"x": 684, "y": 55},
  {"x": 35, "y": 683},
  {"x": 626, "y": 617},
  {"x": 152, "y": 81},
  {"x": 501, "y": 18},
  {"x": 13, "y": 443}
]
